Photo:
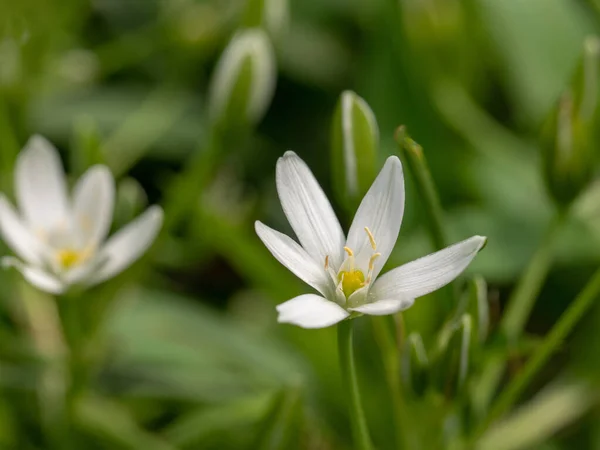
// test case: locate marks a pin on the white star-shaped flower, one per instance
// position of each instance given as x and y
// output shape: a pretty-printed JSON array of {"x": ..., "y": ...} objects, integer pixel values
[
  {"x": 344, "y": 271},
  {"x": 59, "y": 239}
]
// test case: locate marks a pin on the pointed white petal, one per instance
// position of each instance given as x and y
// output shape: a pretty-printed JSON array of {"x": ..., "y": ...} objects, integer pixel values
[
  {"x": 295, "y": 258},
  {"x": 308, "y": 210},
  {"x": 311, "y": 311},
  {"x": 18, "y": 236},
  {"x": 40, "y": 185},
  {"x": 358, "y": 297},
  {"x": 381, "y": 210},
  {"x": 427, "y": 274},
  {"x": 93, "y": 203},
  {"x": 384, "y": 306},
  {"x": 36, "y": 276},
  {"x": 128, "y": 244}
]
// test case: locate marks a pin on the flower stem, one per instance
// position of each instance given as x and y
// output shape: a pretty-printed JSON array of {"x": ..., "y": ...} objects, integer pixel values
[
  {"x": 523, "y": 298},
  {"x": 417, "y": 164},
  {"x": 389, "y": 339},
  {"x": 551, "y": 342},
  {"x": 360, "y": 431},
  {"x": 195, "y": 177}
]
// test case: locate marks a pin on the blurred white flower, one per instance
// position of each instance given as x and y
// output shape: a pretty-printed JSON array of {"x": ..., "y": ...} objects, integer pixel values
[
  {"x": 344, "y": 270},
  {"x": 60, "y": 240}
]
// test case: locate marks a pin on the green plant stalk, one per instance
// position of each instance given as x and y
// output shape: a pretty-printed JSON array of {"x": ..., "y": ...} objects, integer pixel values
[
  {"x": 417, "y": 164},
  {"x": 360, "y": 431},
  {"x": 184, "y": 192},
  {"x": 523, "y": 297},
  {"x": 389, "y": 345},
  {"x": 520, "y": 305},
  {"x": 549, "y": 345},
  {"x": 413, "y": 157}
]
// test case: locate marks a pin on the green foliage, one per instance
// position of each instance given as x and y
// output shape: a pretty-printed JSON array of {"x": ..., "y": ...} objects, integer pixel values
[{"x": 182, "y": 351}]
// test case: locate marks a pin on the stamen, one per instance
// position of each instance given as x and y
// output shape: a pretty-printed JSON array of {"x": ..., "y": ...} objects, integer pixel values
[
  {"x": 326, "y": 262},
  {"x": 347, "y": 250},
  {"x": 371, "y": 267},
  {"x": 372, "y": 261},
  {"x": 371, "y": 238},
  {"x": 341, "y": 283}
]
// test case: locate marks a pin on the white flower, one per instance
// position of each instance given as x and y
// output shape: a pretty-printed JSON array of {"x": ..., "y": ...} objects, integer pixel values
[
  {"x": 345, "y": 271},
  {"x": 60, "y": 239}
]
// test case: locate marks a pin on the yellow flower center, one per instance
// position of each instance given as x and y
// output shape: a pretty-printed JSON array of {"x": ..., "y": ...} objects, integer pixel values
[
  {"x": 352, "y": 280},
  {"x": 68, "y": 258}
]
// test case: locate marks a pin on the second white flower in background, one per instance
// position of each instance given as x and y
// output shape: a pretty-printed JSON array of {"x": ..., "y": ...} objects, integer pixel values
[
  {"x": 60, "y": 239},
  {"x": 345, "y": 271}
]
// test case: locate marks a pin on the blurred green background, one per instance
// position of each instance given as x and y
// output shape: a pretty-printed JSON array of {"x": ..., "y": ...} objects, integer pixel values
[{"x": 188, "y": 353}]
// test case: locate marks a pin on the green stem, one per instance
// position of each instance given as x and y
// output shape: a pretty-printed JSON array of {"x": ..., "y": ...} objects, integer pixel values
[
  {"x": 184, "y": 192},
  {"x": 523, "y": 297},
  {"x": 519, "y": 308},
  {"x": 389, "y": 341},
  {"x": 417, "y": 164},
  {"x": 550, "y": 344},
  {"x": 360, "y": 431}
]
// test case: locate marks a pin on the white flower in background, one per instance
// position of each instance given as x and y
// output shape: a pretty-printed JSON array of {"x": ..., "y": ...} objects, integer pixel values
[
  {"x": 60, "y": 240},
  {"x": 345, "y": 271}
]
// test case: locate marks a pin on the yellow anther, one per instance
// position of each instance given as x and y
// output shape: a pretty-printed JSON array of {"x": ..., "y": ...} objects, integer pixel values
[
  {"x": 371, "y": 238},
  {"x": 349, "y": 251},
  {"x": 326, "y": 262}
]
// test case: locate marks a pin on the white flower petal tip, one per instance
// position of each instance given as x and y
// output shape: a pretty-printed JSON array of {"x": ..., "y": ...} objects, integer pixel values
[
  {"x": 311, "y": 311},
  {"x": 128, "y": 244},
  {"x": 381, "y": 212},
  {"x": 429, "y": 273},
  {"x": 289, "y": 154},
  {"x": 17, "y": 235},
  {"x": 308, "y": 210},
  {"x": 93, "y": 203},
  {"x": 36, "y": 277},
  {"x": 40, "y": 184},
  {"x": 294, "y": 257},
  {"x": 384, "y": 307}
]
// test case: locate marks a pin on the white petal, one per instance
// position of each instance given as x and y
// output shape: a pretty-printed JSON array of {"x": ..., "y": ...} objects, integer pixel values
[
  {"x": 17, "y": 235},
  {"x": 81, "y": 273},
  {"x": 40, "y": 185},
  {"x": 384, "y": 306},
  {"x": 427, "y": 274},
  {"x": 381, "y": 210},
  {"x": 308, "y": 210},
  {"x": 93, "y": 203},
  {"x": 128, "y": 244},
  {"x": 311, "y": 311},
  {"x": 36, "y": 276},
  {"x": 295, "y": 258}
]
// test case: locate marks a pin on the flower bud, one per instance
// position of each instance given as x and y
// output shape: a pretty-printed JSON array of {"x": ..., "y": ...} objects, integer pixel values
[
  {"x": 475, "y": 303},
  {"x": 452, "y": 358},
  {"x": 571, "y": 133},
  {"x": 244, "y": 79},
  {"x": 354, "y": 142},
  {"x": 415, "y": 364}
]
